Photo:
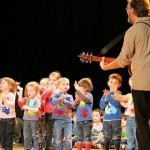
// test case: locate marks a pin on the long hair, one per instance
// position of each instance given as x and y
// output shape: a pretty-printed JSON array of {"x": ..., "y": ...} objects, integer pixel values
[
  {"x": 32, "y": 84},
  {"x": 11, "y": 82}
]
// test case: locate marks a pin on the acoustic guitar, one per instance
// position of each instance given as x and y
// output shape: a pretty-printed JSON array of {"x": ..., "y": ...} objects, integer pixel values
[{"x": 89, "y": 58}]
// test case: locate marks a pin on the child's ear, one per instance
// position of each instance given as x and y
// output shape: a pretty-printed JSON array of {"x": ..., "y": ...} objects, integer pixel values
[
  {"x": 108, "y": 83},
  {"x": 120, "y": 85}
]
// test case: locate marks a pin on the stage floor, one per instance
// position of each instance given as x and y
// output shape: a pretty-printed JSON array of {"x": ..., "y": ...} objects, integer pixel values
[{"x": 20, "y": 147}]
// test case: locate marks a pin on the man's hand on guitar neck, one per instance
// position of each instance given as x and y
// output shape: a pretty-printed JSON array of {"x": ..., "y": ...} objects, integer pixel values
[
  {"x": 103, "y": 64},
  {"x": 108, "y": 66}
]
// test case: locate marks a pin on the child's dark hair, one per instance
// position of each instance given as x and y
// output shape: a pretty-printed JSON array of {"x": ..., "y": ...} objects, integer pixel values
[
  {"x": 124, "y": 117},
  {"x": 100, "y": 111},
  {"x": 87, "y": 83}
]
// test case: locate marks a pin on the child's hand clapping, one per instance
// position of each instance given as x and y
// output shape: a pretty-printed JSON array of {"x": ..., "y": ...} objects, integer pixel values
[
  {"x": 19, "y": 91},
  {"x": 105, "y": 92},
  {"x": 77, "y": 99},
  {"x": 76, "y": 86}
]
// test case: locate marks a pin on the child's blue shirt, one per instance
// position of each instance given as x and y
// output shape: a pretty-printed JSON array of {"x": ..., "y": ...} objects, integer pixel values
[{"x": 112, "y": 107}]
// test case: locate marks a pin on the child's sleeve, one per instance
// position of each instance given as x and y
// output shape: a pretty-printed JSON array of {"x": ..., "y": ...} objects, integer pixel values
[
  {"x": 69, "y": 101},
  {"x": 82, "y": 96},
  {"x": 56, "y": 99},
  {"x": 112, "y": 100},
  {"x": 102, "y": 102}
]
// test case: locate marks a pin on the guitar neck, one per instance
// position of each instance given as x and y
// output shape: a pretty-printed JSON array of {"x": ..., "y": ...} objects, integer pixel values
[
  {"x": 90, "y": 58},
  {"x": 98, "y": 59}
]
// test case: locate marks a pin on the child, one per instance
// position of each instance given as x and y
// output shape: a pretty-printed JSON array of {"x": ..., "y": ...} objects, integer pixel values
[
  {"x": 127, "y": 102},
  {"x": 74, "y": 132},
  {"x": 97, "y": 129},
  {"x": 43, "y": 85},
  {"x": 84, "y": 106},
  {"x": 31, "y": 105},
  {"x": 18, "y": 131},
  {"x": 63, "y": 104},
  {"x": 112, "y": 115},
  {"x": 124, "y": 132},
  {"x": 46, "y": 98},
  {"x": 7, "y": 111}
]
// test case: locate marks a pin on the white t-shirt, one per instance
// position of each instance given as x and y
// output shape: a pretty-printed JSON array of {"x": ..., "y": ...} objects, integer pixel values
[{"x": 6, "y": 110}]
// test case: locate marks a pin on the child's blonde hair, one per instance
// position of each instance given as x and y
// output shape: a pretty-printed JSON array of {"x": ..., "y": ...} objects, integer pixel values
[
  {"x": 44, "y": 80},
  {"x": 115, "y": 76},
  {"x": 11, "y": 82},
  {"x": 56, "y": 74},
  {"x": 60, "y": 80},
  {"x": 32, "y": 84},
  {"x": 86, "y": 83}
]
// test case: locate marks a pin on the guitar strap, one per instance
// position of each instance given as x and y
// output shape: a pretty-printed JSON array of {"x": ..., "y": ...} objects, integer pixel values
[
  {"x": 112, "y": 43},
  {"x": 144, "y": 23},
  {"x": 115, "y": 41}
]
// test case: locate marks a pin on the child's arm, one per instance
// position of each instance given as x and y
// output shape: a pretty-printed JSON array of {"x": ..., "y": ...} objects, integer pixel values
[
  {"x": 76, "y": 101},
  {"x": 27, "y": 108},
  {"x": 112, "y": 99},
  {"x": 125, "y": 105},
  {"x": 46, "y": 95},
  {"x": 69, "y": 101},
  {"x": 33, "y": 109},
  {"x": 57, "y": 98},
  {"x": 99, "y": 138},
  {"x": 87, "y": 98},
  {"x": 20, "y": 94},
  {"x": 122, "y": 99},
  {"x": 21, "y": 101},
  {"x": 80, "y": 92},
  {"x": 103, "y": 102},
  {"x": 9, "y": 100}
]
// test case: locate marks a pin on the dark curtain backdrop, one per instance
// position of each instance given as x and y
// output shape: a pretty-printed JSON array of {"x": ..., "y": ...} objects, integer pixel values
[{"x": 39, "y": 37}]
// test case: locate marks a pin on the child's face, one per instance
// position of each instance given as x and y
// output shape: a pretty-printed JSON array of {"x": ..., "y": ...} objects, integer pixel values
[
  {"x": 4, "y": 85},
  {"x": 52, "y": 80},
  {"x": 31, "y": 91},
  {"x": 123, "y": 123},
  {"x": 96, "y": 117},
  {"x": 64, "y": 86},
  {"x": 114, "y": 84},
  {"x": 43, "y": 85}
]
